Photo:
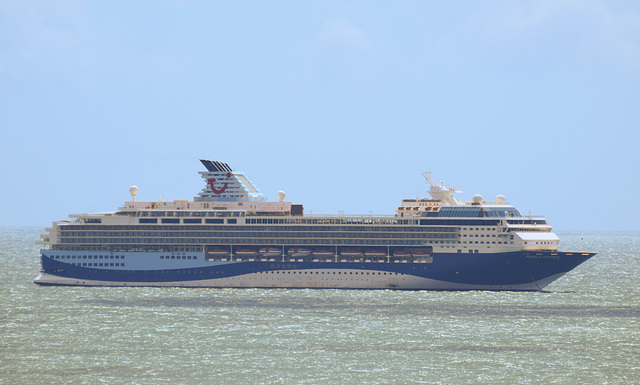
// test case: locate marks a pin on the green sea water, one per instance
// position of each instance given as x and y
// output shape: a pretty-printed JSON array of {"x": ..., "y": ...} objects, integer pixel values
[{"x": 585, "y": 328}]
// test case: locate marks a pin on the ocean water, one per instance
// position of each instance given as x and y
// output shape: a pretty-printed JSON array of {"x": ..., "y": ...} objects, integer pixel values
[{"x": 585, "y": 328}]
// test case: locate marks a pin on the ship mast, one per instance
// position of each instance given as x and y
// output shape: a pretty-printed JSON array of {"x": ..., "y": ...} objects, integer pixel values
[{"x": 440, "y": 192}]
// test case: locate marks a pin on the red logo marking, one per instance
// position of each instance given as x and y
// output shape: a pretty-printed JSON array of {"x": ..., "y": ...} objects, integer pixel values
[{"x": 214, "y": 189}]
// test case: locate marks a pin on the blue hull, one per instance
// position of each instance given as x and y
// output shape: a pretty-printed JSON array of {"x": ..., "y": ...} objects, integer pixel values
[{"x": 499, "y": 271}]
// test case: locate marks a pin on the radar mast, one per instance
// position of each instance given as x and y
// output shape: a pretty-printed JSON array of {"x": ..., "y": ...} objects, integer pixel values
[{"x": 440, "y": 192}]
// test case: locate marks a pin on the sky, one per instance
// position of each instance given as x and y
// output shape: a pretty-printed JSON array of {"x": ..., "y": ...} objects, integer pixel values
[{"x": 341, "y": 104}]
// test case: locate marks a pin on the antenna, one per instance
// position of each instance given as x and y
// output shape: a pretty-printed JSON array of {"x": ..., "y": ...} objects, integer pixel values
[{"x": 427, "y": 176}]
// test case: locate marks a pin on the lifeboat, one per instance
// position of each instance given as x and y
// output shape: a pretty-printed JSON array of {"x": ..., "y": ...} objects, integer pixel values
[
  {"x": 375, "y": 253},
  {"x": 401, "y": 253},
  {"x": 351, "y": 253},
  {"x": 246, "y": 252},
  {"x": 298, "y": 252},
  {"x": 421, "y": 253},
  {"x": 270, "y": 251}
]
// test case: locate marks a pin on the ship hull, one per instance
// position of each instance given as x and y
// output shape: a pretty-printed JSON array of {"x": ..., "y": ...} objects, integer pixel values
[{"x": 512, "y": 271}]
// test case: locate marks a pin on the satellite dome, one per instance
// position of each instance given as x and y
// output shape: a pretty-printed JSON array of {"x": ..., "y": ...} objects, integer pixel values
[
  {"x": 477, "y": 199},
  {"x": 500, "y": 199},
  {"x": 281, "y": 195},
  {"x": 133, "y": 190}
]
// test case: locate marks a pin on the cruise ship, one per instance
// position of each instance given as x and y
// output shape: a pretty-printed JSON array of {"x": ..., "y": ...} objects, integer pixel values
[{"x": 231, "y": 236}]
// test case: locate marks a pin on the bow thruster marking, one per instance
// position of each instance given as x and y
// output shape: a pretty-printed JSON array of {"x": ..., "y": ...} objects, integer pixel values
[{"x": 220, "y": 190}]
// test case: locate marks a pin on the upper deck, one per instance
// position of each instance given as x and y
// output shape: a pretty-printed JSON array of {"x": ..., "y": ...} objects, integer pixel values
[{"x": 231, "y": 211}]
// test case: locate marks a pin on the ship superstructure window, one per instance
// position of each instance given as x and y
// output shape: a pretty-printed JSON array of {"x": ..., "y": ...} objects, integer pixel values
[
  {"x": 477, "y": 212},
  {"x": 460, "y": 212},
  {"x": 500, "y": 212}
]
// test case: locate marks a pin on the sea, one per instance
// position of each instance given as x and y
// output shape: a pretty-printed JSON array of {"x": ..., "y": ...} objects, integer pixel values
[{"x": 583, "y": 329}]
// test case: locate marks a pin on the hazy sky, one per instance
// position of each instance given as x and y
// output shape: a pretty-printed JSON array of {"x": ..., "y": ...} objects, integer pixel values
[{"x": 340, "y": 103}]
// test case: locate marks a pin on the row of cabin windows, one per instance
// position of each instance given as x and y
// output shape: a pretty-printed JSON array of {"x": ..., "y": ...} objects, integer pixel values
[
  {"x": 205, "y": 241},
  {"x": 483, "y": 242},
  {"x": 129, "y": 248},
  {"x": 268, "y": 241},
  {"x": 88, "y": 257},
  {"x": 182, "y": 213},
  {"x": 89, "y": 264},
  {"x": 187, "y": 220},
  {"x": 117, "y": 257},
  {"x": 330, "y": 221},
  {"x": 178, "y": 257},
  {"x": 79, "y": 229},
  {"x": 172, "y": 242},
  {"x": 240, "y": 234},
  {"x": 493, "y": 229},
  {"x": 280, "y": 221},
  {"x": 322, "y": 272}
]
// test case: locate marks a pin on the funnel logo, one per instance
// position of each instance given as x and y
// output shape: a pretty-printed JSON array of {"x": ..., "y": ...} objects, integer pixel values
[{"x": 213, "y": 187}]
